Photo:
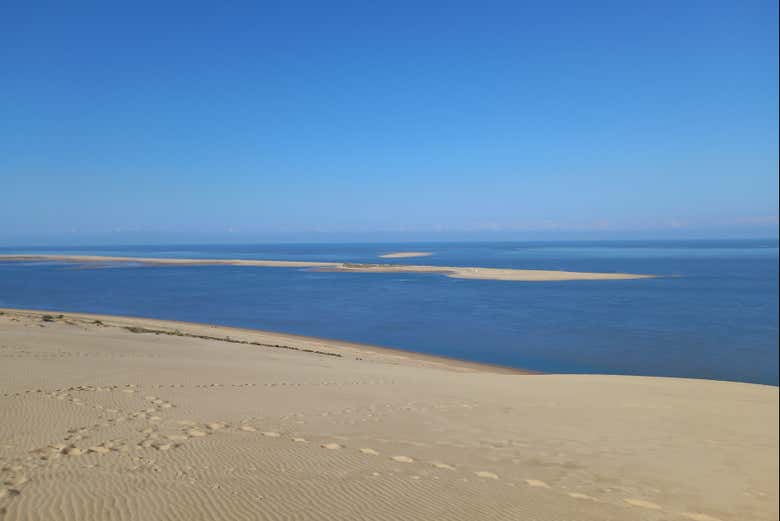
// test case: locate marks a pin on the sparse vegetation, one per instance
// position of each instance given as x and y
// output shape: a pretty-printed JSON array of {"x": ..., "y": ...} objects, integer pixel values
[
  {"x": 176, "y": 332},
  {"x": 134, "y": 329}
]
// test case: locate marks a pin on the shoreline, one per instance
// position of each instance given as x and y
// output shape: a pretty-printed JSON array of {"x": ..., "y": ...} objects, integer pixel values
[
  {"x": 271, "y": 339},
  {"x": 311, "y": 344},
  {"x": 457, "y": 272}
]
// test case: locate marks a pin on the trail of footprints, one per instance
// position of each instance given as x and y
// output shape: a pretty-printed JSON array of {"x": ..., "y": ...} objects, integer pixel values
[
  {"x": 14, "y": 476},
  {"x": 14, "y": 473},
  {"x": 66, "y": 393},
  {"x": 483, "y": 474}
]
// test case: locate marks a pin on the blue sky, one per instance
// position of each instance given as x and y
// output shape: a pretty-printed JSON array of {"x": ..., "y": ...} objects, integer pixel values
[{"x": 268, "y": 121}]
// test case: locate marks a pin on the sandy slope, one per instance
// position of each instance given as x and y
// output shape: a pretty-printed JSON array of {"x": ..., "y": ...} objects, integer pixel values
[
  {"x": 102, "y": 422},
  {"x": 458, "y": 272}
]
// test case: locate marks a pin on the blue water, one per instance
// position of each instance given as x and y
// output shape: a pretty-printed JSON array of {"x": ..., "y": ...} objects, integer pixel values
[{"x": 712, "y": 314}]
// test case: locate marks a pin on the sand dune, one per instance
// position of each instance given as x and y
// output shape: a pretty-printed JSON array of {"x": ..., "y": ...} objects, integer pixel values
[
  {"x": 126, "y": 419},
  {"x": 458, "y": 272}
]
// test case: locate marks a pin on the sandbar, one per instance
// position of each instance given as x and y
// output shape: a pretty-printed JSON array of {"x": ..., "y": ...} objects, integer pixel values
[{"x": 458, "y": 272}]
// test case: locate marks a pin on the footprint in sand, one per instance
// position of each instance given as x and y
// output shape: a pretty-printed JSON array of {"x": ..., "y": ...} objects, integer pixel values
[
  {"x": 440, "y": 465},
  {"x": 331, "y": 446},
  {"x": 402, "y": 459},
  {"x": 248, "y": 428},
  {"x": 21, "y": 480},
  {"x": 271, "y": 434},
  {"x": 216, "y": 426},
  {"x": 8, "y": 492},
  {"x": 369, "y": 451},
  {"x": 300, "y": 440},
  {"x": 577, "y": 495},
  {"x": 536, "y": 483},
  {"x": 641, "y": 503},
  {"x": 696, "y": 516},
  {"x": 486, "y": 474},
  {"x": 195, "y": 433}
]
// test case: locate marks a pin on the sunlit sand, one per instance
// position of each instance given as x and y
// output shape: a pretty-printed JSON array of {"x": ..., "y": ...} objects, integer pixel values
[{"x": 123, "y": 418}]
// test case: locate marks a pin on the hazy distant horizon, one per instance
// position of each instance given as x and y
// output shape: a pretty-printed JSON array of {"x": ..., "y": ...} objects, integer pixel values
[{"x": 387, "y": 237}]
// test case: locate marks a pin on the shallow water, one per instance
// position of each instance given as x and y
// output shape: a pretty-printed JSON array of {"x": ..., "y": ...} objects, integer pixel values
[{"x": 712, "y": 314}]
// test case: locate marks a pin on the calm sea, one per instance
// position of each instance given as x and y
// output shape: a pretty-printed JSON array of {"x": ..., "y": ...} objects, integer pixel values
[{"x": 712, "y": 314}]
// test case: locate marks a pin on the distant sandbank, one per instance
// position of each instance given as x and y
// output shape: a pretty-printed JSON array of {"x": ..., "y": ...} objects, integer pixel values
[{"x": 458, "y": 272}]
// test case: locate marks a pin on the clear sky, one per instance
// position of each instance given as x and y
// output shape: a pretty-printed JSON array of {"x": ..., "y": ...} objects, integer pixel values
[{"x": 267, "y": 121}]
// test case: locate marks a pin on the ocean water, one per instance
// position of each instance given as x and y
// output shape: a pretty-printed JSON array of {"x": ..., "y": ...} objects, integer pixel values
[{"x": 712, "y": 313}]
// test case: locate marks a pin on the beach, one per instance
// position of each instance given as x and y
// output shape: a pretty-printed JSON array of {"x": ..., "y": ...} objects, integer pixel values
[{"x": 122, "y": 418}]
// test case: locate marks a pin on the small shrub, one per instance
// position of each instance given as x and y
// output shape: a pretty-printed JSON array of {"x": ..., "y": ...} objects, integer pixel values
[{"x": 134, "y": 329}]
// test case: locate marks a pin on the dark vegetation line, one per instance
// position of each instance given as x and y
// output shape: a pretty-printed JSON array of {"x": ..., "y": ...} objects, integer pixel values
[
  {"x": 176, "y": 332},
  {"x": 136, "y": 329}
]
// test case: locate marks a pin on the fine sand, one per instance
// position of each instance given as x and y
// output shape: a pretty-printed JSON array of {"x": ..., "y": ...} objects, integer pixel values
[
  {"x": 458, "y": 272},
  {"x": 405, "y": 254},
  {"x": 109, "y": 418}
]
